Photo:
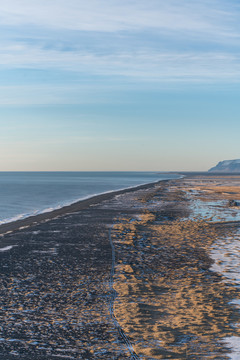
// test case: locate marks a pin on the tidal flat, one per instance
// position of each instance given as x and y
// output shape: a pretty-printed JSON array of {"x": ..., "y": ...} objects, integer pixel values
[{"x": 139, "y": 274}]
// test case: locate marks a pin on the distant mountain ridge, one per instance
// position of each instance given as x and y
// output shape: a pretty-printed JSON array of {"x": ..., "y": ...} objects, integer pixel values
[{"x": 227, "y": 166}]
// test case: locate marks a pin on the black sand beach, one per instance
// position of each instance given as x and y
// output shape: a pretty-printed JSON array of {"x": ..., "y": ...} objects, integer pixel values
[{"x": 120, "y": 276}]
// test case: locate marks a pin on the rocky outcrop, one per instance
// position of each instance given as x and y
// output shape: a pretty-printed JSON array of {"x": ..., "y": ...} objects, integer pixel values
[
  {"x": 227, "y": 166},
  {"x": 233, "y": 203}
]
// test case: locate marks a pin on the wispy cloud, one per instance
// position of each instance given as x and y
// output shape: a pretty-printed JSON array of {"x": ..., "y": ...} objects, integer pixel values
[
  {"x": 119, "y": 15},
  {"x": 149, "y": 66},
  {"x": 155, "y": 41}
]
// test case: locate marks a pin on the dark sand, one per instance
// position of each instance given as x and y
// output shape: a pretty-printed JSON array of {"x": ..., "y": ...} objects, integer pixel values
[{"x": 120, "y": 276}]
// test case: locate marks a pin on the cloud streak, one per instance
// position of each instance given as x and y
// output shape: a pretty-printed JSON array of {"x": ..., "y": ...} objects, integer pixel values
[
  {"x": 121, "y": 15},
  {"x": 145, "y": 65},
  {"x": 127, "y": 41}
]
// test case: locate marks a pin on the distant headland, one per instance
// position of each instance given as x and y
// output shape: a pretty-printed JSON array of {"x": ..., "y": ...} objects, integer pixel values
[{"x": 227, "y": 166}]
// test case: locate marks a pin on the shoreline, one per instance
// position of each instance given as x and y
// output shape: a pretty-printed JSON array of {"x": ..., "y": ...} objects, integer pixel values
[
  {"x": 31, "y": 220},
  {"x": 151, "y": 248},
  {"x": 73, "y": 207}
]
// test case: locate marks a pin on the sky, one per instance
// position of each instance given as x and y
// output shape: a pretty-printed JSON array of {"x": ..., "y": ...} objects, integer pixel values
[{"x": 119, "y": 85}]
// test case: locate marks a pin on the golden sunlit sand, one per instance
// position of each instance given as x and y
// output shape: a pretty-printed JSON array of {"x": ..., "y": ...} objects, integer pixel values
[{"x": 169, "y": 302}]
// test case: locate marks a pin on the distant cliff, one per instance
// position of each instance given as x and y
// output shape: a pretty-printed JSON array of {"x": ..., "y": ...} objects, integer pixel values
[{"x": 227, "y": 166}]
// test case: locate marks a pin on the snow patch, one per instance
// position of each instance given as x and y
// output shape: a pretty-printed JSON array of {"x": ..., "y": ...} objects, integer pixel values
[{"x": 6, "y": 248}]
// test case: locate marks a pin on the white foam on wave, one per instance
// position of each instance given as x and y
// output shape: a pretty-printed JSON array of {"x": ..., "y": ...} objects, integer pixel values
[
  {"x": 14, "y": 218},
  {"x": 73, "y": 201}
]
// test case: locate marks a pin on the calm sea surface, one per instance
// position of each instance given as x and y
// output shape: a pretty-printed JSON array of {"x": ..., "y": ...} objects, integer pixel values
[{"x": 28, "y": 193}]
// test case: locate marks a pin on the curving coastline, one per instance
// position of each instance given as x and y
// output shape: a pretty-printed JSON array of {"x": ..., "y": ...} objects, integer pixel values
[{"x": 74, "y": 207}]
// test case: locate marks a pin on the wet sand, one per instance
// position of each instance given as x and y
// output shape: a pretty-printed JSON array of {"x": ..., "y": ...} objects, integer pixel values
[{"x": 127, "y": 275}]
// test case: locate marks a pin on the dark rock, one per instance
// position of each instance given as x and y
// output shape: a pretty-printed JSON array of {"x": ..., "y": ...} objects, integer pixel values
[{"x": 232, "y": 203}]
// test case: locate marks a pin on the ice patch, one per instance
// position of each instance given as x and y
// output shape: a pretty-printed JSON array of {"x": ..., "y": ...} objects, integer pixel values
[
  {"x": 226, "y": 253},
  {"x": 216, "y": 210},
  {"x": 233, "y": 343}
]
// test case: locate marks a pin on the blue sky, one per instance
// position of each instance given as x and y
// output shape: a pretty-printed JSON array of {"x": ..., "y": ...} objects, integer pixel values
[{"x": 119, "y": 84}]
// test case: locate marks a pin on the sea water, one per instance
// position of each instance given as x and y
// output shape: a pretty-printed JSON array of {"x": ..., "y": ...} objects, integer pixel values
[{"x": 23, "y": 194}]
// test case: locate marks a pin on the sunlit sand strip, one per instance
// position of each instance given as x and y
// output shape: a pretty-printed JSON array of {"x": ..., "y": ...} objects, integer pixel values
[{"x": 121, "y": 332}]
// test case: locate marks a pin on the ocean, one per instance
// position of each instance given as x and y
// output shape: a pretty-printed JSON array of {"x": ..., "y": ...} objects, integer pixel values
[{"x": 23, "y": 194}]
